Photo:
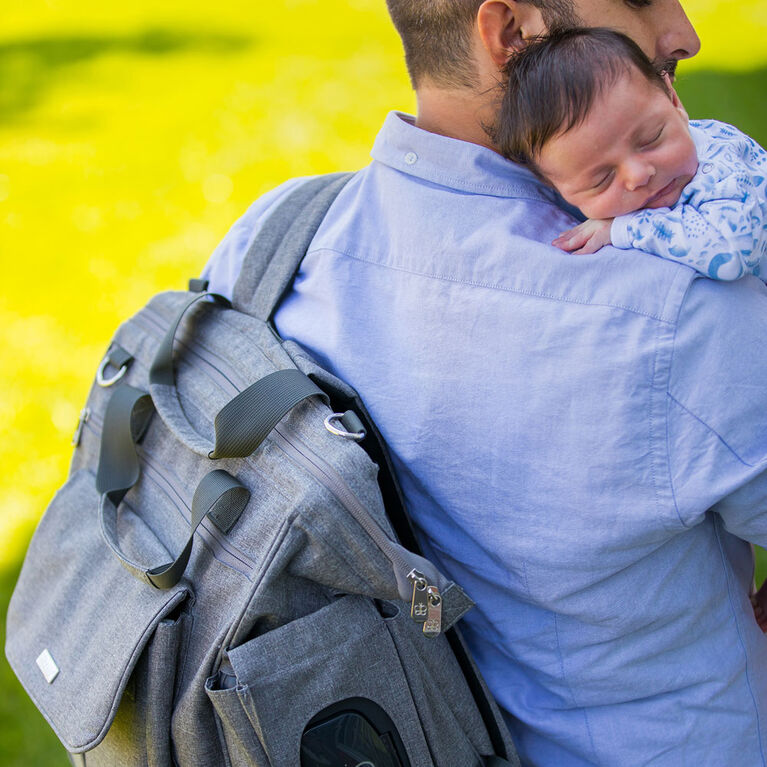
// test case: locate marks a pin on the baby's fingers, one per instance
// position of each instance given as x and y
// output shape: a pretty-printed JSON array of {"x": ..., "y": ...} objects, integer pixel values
[
  {"x": 591, "y": 245},
  {"x": 571, "y": 240}
]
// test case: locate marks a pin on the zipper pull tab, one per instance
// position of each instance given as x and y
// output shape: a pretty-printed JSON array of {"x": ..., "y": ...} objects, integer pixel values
[
  {"x": 419, "y": 604},
  {"x": 433, "y": 625},
  {"x": 85, "y": 414}
]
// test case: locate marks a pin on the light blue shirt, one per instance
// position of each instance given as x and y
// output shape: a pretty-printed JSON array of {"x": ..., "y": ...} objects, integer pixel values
[
  {"x": 718, "y": 226},
  {"x": 581, "y": 440}
]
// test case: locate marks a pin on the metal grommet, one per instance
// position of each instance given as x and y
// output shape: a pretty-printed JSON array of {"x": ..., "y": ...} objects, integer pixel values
[
  {"x": 101, "y": 381},
  {"x": 355, "y": 435}
]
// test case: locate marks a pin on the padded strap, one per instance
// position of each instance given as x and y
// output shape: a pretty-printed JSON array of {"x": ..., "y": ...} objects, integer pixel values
[
  {"x": 219, "y": 495},
  {"x": 274, "y": 256}
]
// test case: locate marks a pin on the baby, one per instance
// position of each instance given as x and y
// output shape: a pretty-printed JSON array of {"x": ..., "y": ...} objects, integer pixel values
[{"x": 588, "y": 113}]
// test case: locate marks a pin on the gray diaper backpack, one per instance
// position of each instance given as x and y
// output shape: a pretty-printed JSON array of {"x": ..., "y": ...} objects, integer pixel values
[{"x": 219, "y": 582}]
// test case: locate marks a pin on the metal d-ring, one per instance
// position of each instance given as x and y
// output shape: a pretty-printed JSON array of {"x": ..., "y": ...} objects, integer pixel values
[
  {"x": 355, "y": 435},
  {"x": 101, "y": 381}
]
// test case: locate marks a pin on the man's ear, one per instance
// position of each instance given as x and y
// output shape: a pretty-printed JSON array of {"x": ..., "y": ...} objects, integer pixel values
[
  {"x": 505, "y": 26},
  {"x": 672, "y": 94}
]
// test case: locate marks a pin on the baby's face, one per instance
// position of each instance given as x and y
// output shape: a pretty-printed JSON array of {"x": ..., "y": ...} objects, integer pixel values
[{"x": 633, "y": 150}]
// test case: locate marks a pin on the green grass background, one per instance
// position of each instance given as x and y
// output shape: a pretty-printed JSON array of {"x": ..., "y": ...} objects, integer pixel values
[{"x": 131, "y": 137}]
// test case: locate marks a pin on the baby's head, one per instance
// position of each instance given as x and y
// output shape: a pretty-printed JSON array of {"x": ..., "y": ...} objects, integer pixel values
[{"x": 586, "y": 110}]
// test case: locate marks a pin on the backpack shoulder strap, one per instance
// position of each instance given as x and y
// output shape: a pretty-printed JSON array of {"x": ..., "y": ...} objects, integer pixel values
[{"x": 274, "y": 256}]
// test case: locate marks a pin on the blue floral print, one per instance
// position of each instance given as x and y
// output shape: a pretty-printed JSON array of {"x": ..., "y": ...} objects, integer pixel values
[{"x": 719, "y": 224}]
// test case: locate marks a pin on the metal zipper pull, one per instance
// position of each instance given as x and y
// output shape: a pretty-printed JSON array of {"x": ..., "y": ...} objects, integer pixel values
[
  {"x": 419, "y": 604},
  {"x": 85, "y": 414},
  {"x": 433, "y": 625}
]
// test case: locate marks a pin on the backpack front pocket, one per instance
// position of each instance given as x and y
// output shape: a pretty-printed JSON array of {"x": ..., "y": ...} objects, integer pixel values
[{"x": 286, "y": 677}]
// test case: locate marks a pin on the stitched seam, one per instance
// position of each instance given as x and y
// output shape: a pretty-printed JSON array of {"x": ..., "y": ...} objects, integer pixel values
[
  {"x": 668, "y": 428},
  {"x": 491, "y": 286},
  {"x": 651, "y": 422},
  {"x": 740, "y": 637},
  {"x": 458, "y": 184},
  {"x": 712, "y": 430},
  {"x": 570, "y": 689},
  {"x": 663, "y": 364}
]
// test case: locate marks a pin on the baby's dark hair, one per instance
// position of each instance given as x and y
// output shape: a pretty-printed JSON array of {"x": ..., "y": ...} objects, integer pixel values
[{"x": 554, "y": 81}]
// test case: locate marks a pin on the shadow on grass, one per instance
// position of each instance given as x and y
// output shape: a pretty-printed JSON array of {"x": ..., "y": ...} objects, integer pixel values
[
  {"x": 732, "y": 97},
  {"x": 29, "y": 67}
]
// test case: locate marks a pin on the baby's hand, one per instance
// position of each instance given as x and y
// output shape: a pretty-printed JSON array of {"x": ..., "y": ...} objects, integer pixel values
[{"x": 587, "y": 237}]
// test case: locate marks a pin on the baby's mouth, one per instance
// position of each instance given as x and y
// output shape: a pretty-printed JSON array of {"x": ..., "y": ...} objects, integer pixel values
[{"x": 661, "y": 193}]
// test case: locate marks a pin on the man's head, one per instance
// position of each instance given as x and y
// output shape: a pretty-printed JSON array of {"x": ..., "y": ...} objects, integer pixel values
[
  {"x": 438, "y": 36},
  {"x": 456, "y": 49},
  {"x": 588, "y": 111}
]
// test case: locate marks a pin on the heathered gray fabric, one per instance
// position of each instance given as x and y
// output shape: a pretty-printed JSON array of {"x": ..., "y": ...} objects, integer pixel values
[
  {"x": 264, "y": 275},
  {"x": 228, "y": 666}
]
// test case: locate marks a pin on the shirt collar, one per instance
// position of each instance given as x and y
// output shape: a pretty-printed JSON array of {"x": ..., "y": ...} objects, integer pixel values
[{"x": 459, "y": 165}]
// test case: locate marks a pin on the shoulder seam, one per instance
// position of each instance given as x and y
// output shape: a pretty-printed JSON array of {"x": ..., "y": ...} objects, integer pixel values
[{"x": 493, "y": 286}]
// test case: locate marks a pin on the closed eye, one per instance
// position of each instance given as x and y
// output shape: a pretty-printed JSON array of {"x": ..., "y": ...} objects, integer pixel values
[
  {"x": 654, "y": 139},
  {"x": 602, "y": 182}
]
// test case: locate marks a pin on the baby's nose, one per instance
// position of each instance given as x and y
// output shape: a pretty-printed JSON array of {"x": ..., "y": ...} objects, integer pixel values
[{"x": 637, "y": 174}]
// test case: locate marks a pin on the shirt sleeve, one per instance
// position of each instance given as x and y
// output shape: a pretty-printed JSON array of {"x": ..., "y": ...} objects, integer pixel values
[
  {"x": 717, "y": 407},
  {"x": 718, "y": 227},
  {"x": 223, "y": 267}
]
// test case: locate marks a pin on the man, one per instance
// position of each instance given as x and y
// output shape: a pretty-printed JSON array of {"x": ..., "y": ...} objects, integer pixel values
[{"x": 580, "y": 442}]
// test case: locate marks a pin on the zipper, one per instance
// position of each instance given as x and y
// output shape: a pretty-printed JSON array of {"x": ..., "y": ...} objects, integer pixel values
[
  {"x": 410, "y": 570},
  {"x": 85, "y": 414}
]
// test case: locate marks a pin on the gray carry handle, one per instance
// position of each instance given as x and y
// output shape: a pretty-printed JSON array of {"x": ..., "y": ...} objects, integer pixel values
[
  {"x": 218, "y": 496},
  {"x": 245, "y": 421}
]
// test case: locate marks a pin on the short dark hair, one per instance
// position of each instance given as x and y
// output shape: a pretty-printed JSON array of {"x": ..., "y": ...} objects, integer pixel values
[
  {"x": 552, "y": 84},
  {"x": 436, "y": 36}
]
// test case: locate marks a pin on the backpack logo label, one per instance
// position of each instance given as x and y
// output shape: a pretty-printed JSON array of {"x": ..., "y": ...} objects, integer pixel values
[{"x": 48, "y": 666}]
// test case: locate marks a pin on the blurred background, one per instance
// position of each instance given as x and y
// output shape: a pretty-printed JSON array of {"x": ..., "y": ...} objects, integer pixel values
[{"x": 132, "y": 137}]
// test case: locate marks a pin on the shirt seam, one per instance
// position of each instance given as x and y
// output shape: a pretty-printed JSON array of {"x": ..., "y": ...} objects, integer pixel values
[
  {"x": 651, "y": 419},
  {"x": 658, "y": 416},
  {"x": 570, "y": 689},
  {"x": 672, "y": 490},
  {"x": 711, "y": 429},
  {"x": 668, "y": 430},
  {"x": 742, "y": 644},
  {"x": 458, "y": 184},
  {"x": 671, "y": 398},
  {"x": 492, "y": 286}
]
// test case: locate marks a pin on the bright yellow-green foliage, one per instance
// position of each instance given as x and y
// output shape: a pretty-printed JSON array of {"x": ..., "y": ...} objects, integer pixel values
[
  {"x": 132, "y": 136},
  {"x": 130, "y": 140}
]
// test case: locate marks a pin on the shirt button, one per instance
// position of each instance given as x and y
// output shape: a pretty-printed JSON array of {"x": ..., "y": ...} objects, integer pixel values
[
  {"x": 411, "y": 158},
  {"x": 706, "y": 167}
]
